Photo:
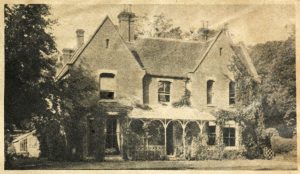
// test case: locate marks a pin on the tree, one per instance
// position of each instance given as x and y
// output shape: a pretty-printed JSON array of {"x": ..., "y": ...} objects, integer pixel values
[
  {"x": 201, "y": 34},
  {"x": 275, "y": 62},
  {"x": 29, "y": 62},
  {"x": 157, "y": 26}
]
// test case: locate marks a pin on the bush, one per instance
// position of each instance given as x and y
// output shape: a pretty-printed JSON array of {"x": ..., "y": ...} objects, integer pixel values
[
  {"x": 233, "y": 154},
  {"x": 142, "y": 155},
  {"x": 283, "y": 145},
  {"x": 211, "y": 153}
]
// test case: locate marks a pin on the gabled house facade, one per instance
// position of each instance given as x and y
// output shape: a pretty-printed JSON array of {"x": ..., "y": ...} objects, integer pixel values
[
  {"x": 27, "y": 144},
  {"x": 158, "y": 73}
]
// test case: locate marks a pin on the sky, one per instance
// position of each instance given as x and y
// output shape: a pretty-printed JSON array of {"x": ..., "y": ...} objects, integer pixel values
[{"x": 250, "y": 24}]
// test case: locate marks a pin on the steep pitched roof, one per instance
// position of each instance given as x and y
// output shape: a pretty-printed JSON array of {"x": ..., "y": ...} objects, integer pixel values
[
  {"x": 241, "y": 52},
  {"x": 21, "y": 137},
  {"x": 79, "y": 51},
  {"x": 167, "y": 57}
]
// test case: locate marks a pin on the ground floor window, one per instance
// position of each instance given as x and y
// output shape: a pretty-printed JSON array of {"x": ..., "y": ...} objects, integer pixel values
[
  {"x": 23, "y": 145},
  {"x": 211, "y": 132},
  {"x": 229, "y": 136}
]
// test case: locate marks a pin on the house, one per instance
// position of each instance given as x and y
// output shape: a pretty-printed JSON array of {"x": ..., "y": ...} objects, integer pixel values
[
  {"x": 27, "y": 144},
  {"x": 158, "y": 72}
]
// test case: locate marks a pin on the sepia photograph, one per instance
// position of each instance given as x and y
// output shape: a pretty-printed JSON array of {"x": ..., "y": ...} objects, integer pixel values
[{"x": 150, "y": 86}]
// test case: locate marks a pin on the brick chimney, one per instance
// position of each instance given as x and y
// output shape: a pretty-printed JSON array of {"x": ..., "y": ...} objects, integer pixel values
[
  {"x": 80, "y": 37},
  {"x": 126, "y": 25},
  {"x": 67, "y": 54}
]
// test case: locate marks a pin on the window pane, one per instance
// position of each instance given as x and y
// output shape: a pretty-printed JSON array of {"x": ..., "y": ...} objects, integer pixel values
[
  {"x": 167, "y": 87},
  {"x": 160, "y": 87},
  {"x": 232, "y": 132},
  {"x": 106, "y": 95},
  {"x": 163, "y": 98},
  {"x": 232, "y": 142}
]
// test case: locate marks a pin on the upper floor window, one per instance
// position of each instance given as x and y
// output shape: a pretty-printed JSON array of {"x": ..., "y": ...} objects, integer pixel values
[
  {"x": 220, "y": 51},
  {"x": 164, "y": 91},
  {"x": 231, "y": 93},
  {"x": 107, "y": 43},
  {"x": 229, "y": 136},
  {"x": 23, "y": 145},
  {"x": 210, "y": 84},
  {"x": 107, "y": 86}
]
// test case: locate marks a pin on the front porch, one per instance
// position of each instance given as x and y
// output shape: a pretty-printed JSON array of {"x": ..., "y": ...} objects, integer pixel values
[{"x": 174, "y": 132}]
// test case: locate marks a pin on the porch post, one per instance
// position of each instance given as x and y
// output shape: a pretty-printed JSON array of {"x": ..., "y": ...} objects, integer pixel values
[
  {"x": 165, "y": 128},
  {"x": 183, "y": 139},
  {"x": 218, "y": 140}
]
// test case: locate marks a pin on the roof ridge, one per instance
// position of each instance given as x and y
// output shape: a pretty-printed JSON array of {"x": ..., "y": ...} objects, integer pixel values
[{"x": 174, "y": 40}]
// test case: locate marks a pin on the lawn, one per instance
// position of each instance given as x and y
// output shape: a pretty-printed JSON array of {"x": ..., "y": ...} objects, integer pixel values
[{"x": 275, "y": 164}]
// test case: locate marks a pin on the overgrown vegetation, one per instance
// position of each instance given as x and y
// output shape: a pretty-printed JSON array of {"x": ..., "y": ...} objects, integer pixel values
[{"x": 275, "y": 63}]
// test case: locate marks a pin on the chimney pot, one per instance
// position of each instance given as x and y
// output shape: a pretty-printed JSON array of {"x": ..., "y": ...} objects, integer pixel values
[
  {"x": 67, "y": 54},
  {"x": 80, "y": 37}
]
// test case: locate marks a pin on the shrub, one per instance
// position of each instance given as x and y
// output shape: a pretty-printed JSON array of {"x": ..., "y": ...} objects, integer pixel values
[
  {"x": 233, "y": 154},
  {"x": 283, "y": 145}
]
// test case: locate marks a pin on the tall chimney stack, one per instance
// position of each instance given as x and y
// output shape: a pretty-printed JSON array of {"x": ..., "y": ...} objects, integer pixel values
[
  {"x": 126, "y": 25},
  {"x": 80, "y": 37}
]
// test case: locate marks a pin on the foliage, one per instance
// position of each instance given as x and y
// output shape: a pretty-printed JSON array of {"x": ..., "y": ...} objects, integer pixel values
[
  {"x": 200, "y": 34},
  {"x": 162, "y": 26},
  {"x": 78, "y": 103},
  {"x": 185, "y": 99},
  {"x": 283, "y": 145},
  {"x": 29, "y": 61},
  {"x": 275, "y": 63},
  {"x": 157, "y": 26},
  {"x": 250, "y": 105}
]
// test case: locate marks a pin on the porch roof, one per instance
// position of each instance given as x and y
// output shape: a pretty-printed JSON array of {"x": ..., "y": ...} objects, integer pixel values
[{"x": 168, "y": 112}]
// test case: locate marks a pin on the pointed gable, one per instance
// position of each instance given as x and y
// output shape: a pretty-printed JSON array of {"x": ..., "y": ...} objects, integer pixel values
[{"x": 111, "y": 30}]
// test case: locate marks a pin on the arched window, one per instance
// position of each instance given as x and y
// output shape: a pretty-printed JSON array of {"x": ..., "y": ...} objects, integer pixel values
[
  {"x": 220, "y": 51},
  {"x": 210, "y": 84},
  {"x": 231, "y": 93},
  {"x": 107, "y": 86}
]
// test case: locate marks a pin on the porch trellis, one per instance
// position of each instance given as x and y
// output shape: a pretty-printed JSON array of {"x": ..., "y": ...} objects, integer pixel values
[{"x": 166, "y": 122}]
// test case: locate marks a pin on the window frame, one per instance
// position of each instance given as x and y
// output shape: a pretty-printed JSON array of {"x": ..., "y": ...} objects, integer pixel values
[
  {"x": 107, "y": 75},
  {"x": 165, "y": 92},
  {"x": 229, "y": 137},
  {"x": 232, "y": 93},
  {"x": 209, "y": 91},
  {"x": 24, "y": 145}
]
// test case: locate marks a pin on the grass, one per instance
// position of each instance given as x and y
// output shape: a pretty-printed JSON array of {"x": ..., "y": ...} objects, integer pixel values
[{"x": 161, "y": 165}]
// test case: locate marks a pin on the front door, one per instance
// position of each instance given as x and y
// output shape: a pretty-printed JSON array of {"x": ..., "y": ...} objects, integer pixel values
[{"x": 112, "y": 144}]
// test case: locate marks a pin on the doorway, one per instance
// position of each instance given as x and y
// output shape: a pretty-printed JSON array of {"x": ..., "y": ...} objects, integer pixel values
[{"x": 112, "y": 144}]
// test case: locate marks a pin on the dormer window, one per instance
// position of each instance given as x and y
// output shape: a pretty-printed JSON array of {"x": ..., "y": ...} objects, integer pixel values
[
  {"x": 107, "y": 43},
  {"x": 107, "y": 86},
  {"x": 164, "y": 91}
]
